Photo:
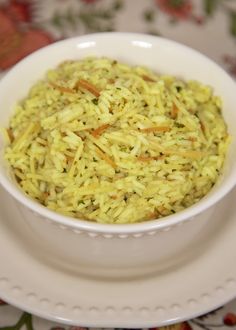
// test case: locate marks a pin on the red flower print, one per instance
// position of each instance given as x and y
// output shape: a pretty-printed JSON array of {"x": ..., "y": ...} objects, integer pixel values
[
  {"x": 179, "y": 326},
  {"x": 199, "y": 19},
  {"x": 23, "y": 44},
  {"x": 19, "y": 10},
  {"x": 179, "y": 9},
  {"x": 89, "y": 1},
  {"x": 185, "y": 326},
  {"x": 16, "y": 41},
  {"x": 2, "y": 302},
  {"x": 78, "y": 328},
  {"x": 230, "y": 319}
]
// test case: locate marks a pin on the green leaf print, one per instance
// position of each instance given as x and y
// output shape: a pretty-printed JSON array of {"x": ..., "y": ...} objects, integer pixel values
[
  {"x": 24, "y": 320},
  {"x": 210, "y": 6},
  {"x": 233, "y": 23}
]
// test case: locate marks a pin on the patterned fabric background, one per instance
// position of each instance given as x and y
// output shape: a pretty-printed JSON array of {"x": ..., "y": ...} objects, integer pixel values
[{"x": 206, "y": 25}]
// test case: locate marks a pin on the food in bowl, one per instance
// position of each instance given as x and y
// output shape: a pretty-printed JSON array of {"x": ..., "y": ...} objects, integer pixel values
[{"x": 100, "y": 140}]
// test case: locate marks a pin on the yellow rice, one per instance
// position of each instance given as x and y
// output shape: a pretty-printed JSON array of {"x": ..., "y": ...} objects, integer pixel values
[{"x": 102, "y": 141}]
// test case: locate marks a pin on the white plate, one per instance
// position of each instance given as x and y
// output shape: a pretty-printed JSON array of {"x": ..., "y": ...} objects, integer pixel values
[{"x": 206, "y": 280}]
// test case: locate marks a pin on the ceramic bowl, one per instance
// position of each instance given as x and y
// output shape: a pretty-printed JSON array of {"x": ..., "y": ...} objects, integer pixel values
[{"x": 118, "y": 250}]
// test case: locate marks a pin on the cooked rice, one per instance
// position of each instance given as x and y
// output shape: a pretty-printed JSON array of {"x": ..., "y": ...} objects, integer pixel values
[{"x": 103, "y": 141}]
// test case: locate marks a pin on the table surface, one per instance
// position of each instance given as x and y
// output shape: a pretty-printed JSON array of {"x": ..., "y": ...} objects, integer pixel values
[{"x": 206, "y": 25}]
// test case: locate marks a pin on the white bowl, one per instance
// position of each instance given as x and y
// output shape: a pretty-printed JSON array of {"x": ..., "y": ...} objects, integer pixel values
[{"x": 116, "y": 250}]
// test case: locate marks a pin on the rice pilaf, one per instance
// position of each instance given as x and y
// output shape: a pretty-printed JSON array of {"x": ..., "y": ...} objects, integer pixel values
[{"x": 103, "y": 141}]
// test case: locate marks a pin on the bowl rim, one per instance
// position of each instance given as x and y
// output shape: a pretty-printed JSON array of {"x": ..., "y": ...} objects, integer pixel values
[{"x": 130, "y": 228}]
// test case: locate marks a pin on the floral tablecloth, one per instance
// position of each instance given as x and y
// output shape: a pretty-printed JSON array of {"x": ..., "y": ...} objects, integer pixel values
[{"x": 206, "y": 25}]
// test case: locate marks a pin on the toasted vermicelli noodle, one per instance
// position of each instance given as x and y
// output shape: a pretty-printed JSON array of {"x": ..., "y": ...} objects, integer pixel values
[{"x": 103, "y": 141}]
